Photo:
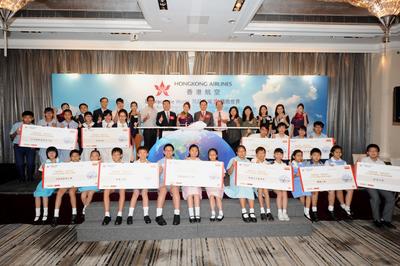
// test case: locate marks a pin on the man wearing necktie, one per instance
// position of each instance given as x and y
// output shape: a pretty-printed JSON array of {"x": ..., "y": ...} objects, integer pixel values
[
  {"x": 166, "y": 118},
  {"x": 204, "y": 115},
  {"x": 221, "y": 118}
]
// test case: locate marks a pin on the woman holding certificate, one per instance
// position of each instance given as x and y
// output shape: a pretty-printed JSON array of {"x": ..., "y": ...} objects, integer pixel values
[
  {"x": 106, "y": 123},
  {"x": 241, "y": 193},
  {"x": 193, "y": 194},
  {"x": 123, "y": 122}
]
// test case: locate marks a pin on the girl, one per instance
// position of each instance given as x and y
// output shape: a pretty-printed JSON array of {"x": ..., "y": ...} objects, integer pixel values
[
  {"x": 116, "y": 155},
  {"x": 242, "y": 193},
  {"x": 74, "y": 157},
  {"x": 315, "y": 161},
  {"x": 185, "y": 118},
  {"x": 134, "y": 118},
  {"x": 234, "y": 135},
  {"x": 142, "y": 154},
  {"x": 123, "y": 122},
  {"x": 281, "y": 132},
  {"x": 263, "y": 193},
  {"x": 335, "y": 158},
  {"x": 280, "y": 117},
  {"x": 263, "y": 118},
  {"x": 49, "y": 120},
  {"x": 88, "y": 192},
  {"x": 215, "y": 194},
  {"x": 305, "y": 197},
  {"x": 88, "y": 117},
  {"x": 193, "y": 194},
  {"x": 106, "y": 123},
  {"x": 44, "y": 193},
  {"x": 302, "y": 133},
  {"x": 298, "y": 120},
  {"x": 248, "y": 120},
  {"x": 281, "y": 195},
  {"x": 67, "y": 123}
]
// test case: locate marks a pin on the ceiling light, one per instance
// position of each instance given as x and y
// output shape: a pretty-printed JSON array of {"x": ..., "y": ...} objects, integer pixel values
[{"x": 238, "y": 5}]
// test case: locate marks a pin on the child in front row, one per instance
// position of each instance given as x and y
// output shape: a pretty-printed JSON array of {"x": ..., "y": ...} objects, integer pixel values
[
  {"x": 305, "y": 197},
  {"x": 241, "y": 193},
  {"x": 215, "y": 194},
  {"x": 88, "y": 192},
  {"x": 74, "y": 157},
  {"x": 116, "y": 156},
  {"x": 315, "y": 155},
  {"x": 44, "y": 193},
  {"x": 281, "y": 195},
  {"x": 263, "y": 193},
  {"x": 142, "y": 154},
  {"x": 193, "y": 194},
  {"x": 335, "y": 158}
]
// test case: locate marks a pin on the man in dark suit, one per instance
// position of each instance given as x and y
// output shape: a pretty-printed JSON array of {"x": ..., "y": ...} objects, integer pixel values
[
  {"x": 98, "y": 114},
  {"x": 166, "y": 118},
  {"x": 204, "y": 115}
]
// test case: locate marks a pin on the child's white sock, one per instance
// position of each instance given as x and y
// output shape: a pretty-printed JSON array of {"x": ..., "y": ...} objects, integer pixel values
[
  {"x": 307, "y": 211},
  {"x": 131, "y": 210},
  {"x": 244, "y": 210},
  {"x": 262, "y": 210},
  {"x": 284, "y": 211},
  {"x": 330, "y": 208},
  {"x": 84, "y": 210},
  {"x": 268, "y": 210},
  {"x": 46, "y": 212},
  {"x": 37, "y": 212},
  {"x": 212, "y": 213},
  {"x": 343, "y": 206},
  {"x": 347, "y": 209},
  {"x": 119, "y": 214},
  {"x": 220, "y": 213},
  {"x": 56, "y": 213},
  {"x": 197, "y": 211},
  {"x": 145, "y": 211},
  {"x": 280, "y": 211},
  {"x": 177, "y": 212},
  {"x": 158, "y": 211},
  {"x": 191, "y": 212},
  {"x": 107, "y": 214},
  {"x": 74, "y": 212},
  {"x": 251, "y": 210},
  {"x": 314, "y": 209}
]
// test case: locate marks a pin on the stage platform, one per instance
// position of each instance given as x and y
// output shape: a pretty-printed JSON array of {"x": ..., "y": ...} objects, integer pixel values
[{"x": 231, "y": 226}]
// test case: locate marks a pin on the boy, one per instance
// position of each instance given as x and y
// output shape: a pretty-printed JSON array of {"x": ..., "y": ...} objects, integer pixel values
[
  {"x": 281, "y": 132},
  {"x": 116, "y": 155},
  {"x": 376, "y": 194},
  {"x": 264, "y": 132},
  {"x": 75, "y": 157},
  {"x": 317, "y": 131},
  {"x": 302, "y": 133},
  {"x": 315, "y": 161},
  {"x": 80, "y": 116},
  {"x": 142, "y": 154},
  {"x": 23, "y": 153},
  {"x": 263, "y": 192}
]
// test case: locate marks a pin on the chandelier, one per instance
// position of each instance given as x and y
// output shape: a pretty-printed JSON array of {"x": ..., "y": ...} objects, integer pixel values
[
  {"x": 8, "y": 8},
  {"x": 385, "y": 10}
]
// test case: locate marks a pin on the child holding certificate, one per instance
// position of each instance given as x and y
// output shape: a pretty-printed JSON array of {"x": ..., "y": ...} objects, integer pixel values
[
  {"x": 74, "y": 157},
  {"x": 263, "y": 193},
  {"x": 44, "y": 193},
  {"x": 281, "y": 195},
  {"x": 88, "y": 123},
  {"x": 67, "y": 123},
  {"x": 106, "y": 123},
  {"x": 315, "y": 155},
  {"x": 215, "y": 194},
  {"x": 116, "y": 155},
  {"x": 88, "y": 192},
  {"x": 281, "y": 132},
  {"x": 162, "y": 191},
  {"x": 123, "y": 122},
  {"x": 49, "y": 120},
  {"x": 193, "y": 194},
  {"x": 305, "y": 197},
  {"x": 241, "y": 193},
  {"x": 142, "y": 154},
  {"x": 335, "y": 158}
]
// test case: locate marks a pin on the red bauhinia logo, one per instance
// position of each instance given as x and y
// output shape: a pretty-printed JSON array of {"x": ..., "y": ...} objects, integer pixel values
[{"x": 162, "y": 89}]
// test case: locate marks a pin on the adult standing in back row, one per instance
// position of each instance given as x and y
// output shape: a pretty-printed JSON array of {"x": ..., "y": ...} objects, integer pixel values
[
  {"x": 204, "y": 115},
  {"x": 98, "y": 114},
  {"x": 149, "y": 115},
  {"x": 280, "y": 117}
]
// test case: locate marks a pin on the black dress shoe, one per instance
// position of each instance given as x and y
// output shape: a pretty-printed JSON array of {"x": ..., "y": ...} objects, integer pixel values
[
  {"x": 147, "y": 219},
  {"x": 389, "y": 225},
  {"x": 220, "y": 218},
  {"x": 270, "y": 217},
  {"x": 378, "y": 224},
  {"x": 54, "y": 222},
  {"x": 314, "y": 217},
  {"x": 212, "y": 219},
  {"x": 106, "y": 220},
  {"x": 253, "y": 218},
  {"x": 245, "y": 217},
  {"x": 37, "y": 221},
  {"x": 82, "y": 218},
  {"x": 74, "y": 219},
  {"x": 332, "y": 216},
  {"x": 129, "y": 220},
  {"x": 118, "y": 220},
  {"x": 192, "y": 219},
  {"x": 198, "y": 219},
  {"x": 263, "y": 217},
  {"x": 177, "y": 219},
  {"x": 308, "y": 217},
  {"x": 160, "y": 220}
]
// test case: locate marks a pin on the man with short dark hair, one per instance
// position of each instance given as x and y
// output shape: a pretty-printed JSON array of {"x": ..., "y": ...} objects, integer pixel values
[
  {"x": 166, "y": 118},
  {"x": 98, "y": 114},
  {"x": 119, "y": 105},
  {"x": 204, "y": 115},
  {"x": 149, "y": 115}
]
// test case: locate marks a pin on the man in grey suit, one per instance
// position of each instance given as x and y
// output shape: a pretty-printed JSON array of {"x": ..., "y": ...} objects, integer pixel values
[{"x": 204, "y": 115}]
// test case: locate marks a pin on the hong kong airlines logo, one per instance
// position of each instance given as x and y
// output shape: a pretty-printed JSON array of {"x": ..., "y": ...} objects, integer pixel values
[{"x": 162, "y": 89}]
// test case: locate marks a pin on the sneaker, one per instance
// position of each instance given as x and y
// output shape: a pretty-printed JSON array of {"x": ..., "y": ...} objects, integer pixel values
[
  {"x": 270, "y": 217},
  {"x": 280, "y": 216},
  {"x": 285, "y": 217}
]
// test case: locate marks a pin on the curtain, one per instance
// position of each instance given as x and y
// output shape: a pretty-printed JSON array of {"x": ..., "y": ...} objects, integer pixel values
[
  {"x": 349, "y": 85},
  {"x": 25, "y": 77}
]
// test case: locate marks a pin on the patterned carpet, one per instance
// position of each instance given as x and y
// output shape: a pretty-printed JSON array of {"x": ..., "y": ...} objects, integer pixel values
[{"x": 332, "y": 243}]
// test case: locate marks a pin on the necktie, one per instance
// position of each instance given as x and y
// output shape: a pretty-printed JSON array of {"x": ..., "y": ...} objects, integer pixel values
[
  {"x": 167, "y": 114},
  {"x": 219, "y": 119}
]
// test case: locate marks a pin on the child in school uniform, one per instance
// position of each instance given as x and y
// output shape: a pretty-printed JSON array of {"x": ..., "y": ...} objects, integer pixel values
[
  {"x": 315, "y": 161},
  {"x": 305, "y": 197},
  {"x": 281, "y": 132},
  {"x": 302, "y": 133},
  {"x": 318, "y": 126},
  {"x": 383, "y": 218},
  {"x": 116, "y": 155},
  {"x": 44, "y": 193},
  {"x": 281, "y": 195},
  {"x": 215, "y": 195},
  {"x": 74, "y": 157},
  {"x": 88, "y": 192},
  {"x": 49, "y": 120},
  {"x": 106, "y": 123},
  {"x": 335, "y": 158},
  {"x": 162, "y": 191},
  {"x": 263, "y": 193},
  {"x": 193, "y": 194},
  {"x": 142, "y": 158},
  {"x": 67, "y": 123},
  {"x": 88, "y": 123},
  {"x": 123, "y": 122},
  {"x": 241, "y": 193}
]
